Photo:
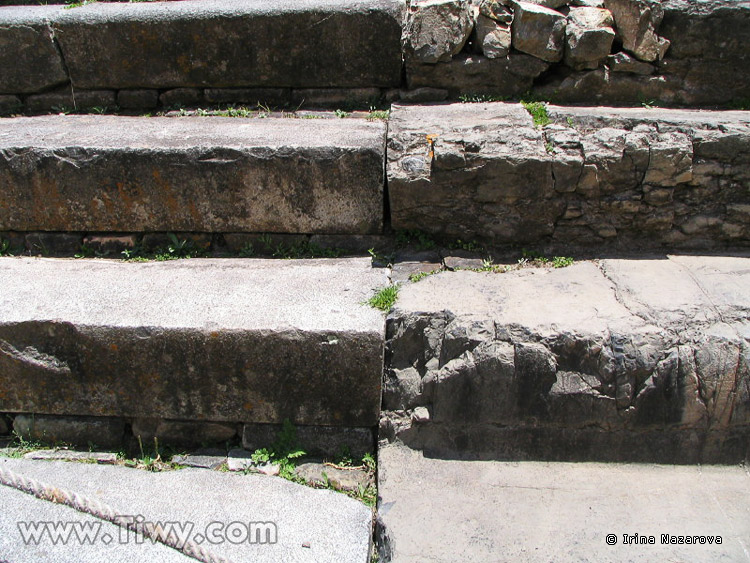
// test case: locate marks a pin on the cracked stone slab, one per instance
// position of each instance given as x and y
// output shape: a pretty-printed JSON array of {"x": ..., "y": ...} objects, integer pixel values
[
  {"x": 684, "y": 290},
  {"x": 206, "y": 174},
  {"x": 575, "y": 298},
  {"x": 621, "y": 360},
  {"x": 311, "y": 525},
  {"x": 204, "y": 339},
  {"x": 441, "y": 510}
]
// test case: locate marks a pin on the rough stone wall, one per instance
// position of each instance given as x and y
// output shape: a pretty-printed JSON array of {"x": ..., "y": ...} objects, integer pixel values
[
  {"x": 625, "y": 178},
  {"x": 589, "y": 52}
]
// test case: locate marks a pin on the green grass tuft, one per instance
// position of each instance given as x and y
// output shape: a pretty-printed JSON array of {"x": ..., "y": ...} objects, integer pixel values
[
  {"x": 538, "y": 112},
  {"x": 385, "y": 298}
]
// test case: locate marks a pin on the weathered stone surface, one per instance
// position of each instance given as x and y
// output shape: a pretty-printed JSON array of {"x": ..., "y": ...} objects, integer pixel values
[
  {"x": 530, "y": 511},
  {"x": 334, "y": 97},
  {"x": 458, "y": 260},
  {"x": 421, "y": 95},
  {"x": 106, "y": 245},
  {"x": 105, "y": 432},
  {"x": 204, "y": 459},
  {"x": 631, "y": 360},
  {"x": 314, "y": 440},
  {"x": 553, "y": 4},
  {"x": 498, "y": 10},
  {"x": 142, "y": 98},
  {"x": 204, "y": 174},
  {"x": 183, "y": 432},
  {"x": 402, "y": 271},
  {"x": 239, "y": 460},
  {"x": 336, "y": 527},
  {"x": 435, "y": 30},
  {"x": 53, "y": 244},
  {"x": 181, "y": 97},
  {"x": 632, "y": 177},
  {"x": 267, "y": 96},
  {"x": 493, "y": 39},
  {"x": 29, "y": 59},
  {"x": 588, "y": 37},
  {"x": 217, "y": 340},
  {"x": 473, "y": 74},
  {"x": 707, "y": 49},
  {"x": 9, "y": 104},
  {"x": 622, "y": 62},
  {"x": 637, "y": 23},
  {"x": 310, "y": 44},
  {"x": 325, "y": 474},
  {"x": 65, "y": 99},
  {"x": 71, "y": 455},
  {"x": 539, "y": 31}
]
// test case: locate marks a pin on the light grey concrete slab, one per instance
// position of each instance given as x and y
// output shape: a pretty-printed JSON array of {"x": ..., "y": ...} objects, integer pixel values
[
  {"x": 436, "y": 510},
  {"x": 237, "y": 340},
  {"x": 310, "y": 524}
]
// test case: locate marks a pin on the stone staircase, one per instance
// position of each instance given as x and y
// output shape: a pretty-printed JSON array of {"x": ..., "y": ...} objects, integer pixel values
[{"x": 473, "y": 202}]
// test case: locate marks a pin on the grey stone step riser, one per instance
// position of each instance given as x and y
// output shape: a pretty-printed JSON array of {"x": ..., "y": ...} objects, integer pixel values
[
  {"x": 101, "y": 49},
  {"x": 212, "y": 375},
  {"x": 251, "y": 341},
  {"x": 109, "y": 174}
]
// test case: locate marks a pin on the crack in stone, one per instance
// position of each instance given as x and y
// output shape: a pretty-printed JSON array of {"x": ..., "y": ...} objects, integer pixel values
[{"x": 56, "y": 44}]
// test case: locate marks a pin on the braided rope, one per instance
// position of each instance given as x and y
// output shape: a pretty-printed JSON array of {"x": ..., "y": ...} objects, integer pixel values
[{"x": 100, "y": 510}]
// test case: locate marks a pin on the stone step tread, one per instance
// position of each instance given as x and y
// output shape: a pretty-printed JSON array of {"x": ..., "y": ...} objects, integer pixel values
[
  {"x": 442, "y": 510},
  {"x": 673, "y": 292},
  {"x": 236, "y": 339},
  {"x": 310, "y": 524},
  {"x": 316, "y": 295},
  {"x": 212, "y": 174},
  {"x": 154, "y": 133},
  {"x": 611, "y": 360}
]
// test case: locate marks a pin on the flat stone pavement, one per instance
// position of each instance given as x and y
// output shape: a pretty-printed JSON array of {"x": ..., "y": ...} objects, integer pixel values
[
  {"x": 310, "y": 525},
  {"x": 436, "y": 510}
]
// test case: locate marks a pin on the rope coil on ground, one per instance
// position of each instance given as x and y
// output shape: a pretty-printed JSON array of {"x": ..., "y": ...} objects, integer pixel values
[{"x": 100, "y": 510}]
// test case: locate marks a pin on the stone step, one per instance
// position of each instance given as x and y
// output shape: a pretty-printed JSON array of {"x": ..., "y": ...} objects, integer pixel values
[
  {"x": 338, "y": 52},
  {"x": 443, "y": 510},
  {"x": 229, "y": 341},
  {"x": 207, "y": 174},
  {"x": 233, "y": 517},
  {"x": 601, "y": 178},
  {"x": 611, "y": 360},
  {"x": 201, "y": 43}
]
